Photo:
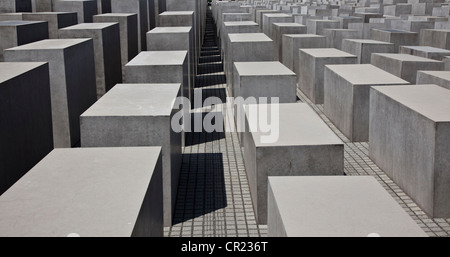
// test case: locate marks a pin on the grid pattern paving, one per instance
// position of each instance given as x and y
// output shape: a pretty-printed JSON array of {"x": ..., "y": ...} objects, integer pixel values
[{"x": 213, "y": 194}]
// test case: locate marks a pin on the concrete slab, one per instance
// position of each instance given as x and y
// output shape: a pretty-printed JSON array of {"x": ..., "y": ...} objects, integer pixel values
[
  {"x": 346, "y": 96},
  {"x": 363, "y": 48},
  {"x": 269, "y": 18},
  {"x": 86, "y": 9},
  {"x": 395, "y": 36},
  {"x": 102, "y": 192},
  {"x": 317, "y": 26},
  {"x": 440, "y": 78},
  {"x": 322, "y": 204},
  {"x": 8, "y": 6},
  {"x": 55, "y": 20},
  {"x": 279, "y": 29},
  {"x": 292, "y": 42},
  {"x": 425, "y": 51},
  {"x": 336, "y": 36},
  {"x": 365, "y": 28},
  {"x": 439, "y": 38}
]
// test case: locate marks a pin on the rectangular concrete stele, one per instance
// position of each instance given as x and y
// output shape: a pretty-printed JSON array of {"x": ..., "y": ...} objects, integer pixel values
[
  {"x": 26, "y": 127},
  {"x": 107, "y": 56},
  {"x": 42, "y": 5},
  {"x": 72, "y": 81},
  {"x": 346, "y": 20},
  {"x": 405, "y": 66},
  {"x": 439, "y": 38},
  {"x": 264, "y": 79},
  {"x": 56, "y": 20},
  {"x": 236, "y": 27},
  {"x": 103, "y": 192},
  {"x": 291, "y": 43},
  {"x": 305, "y": 144},
  {"x": 129, "y": 38},
  {"x": 139, "y": 115},
  {"x": 310, "y": 73},
  {"x": 367, "y": 16},
  {"x": 174, "y": 39},
  {"x": 260, "y": 13},
  {"x": 8, "y": 6},
  {"x": 364, "y": 29},
  {"x": 16, "y": 33},
  {"x": 321, "y": 207},
  {"x": 11, "y": 16},
  {"x": 440, "y": 78},
  {"x": 279, "y": 29},
  {"x": 103, "y": 6},
  {"x": 417, "y": 116},
  {"x": 246, "y": 47},
  {"x": 270, "y": 18},
  {"x": 232, "y": 17},
  {"x": 138, "y": 7},
  {"x": 395, "y": 36},
  {"x": 398, "y": 9},
  {"x": 317, "y": 26},
  {"x": 160, "y": 67},
  {"x": 363, "y": 48},
  {"x": 335, "y": 36},
  {"x": 346, "y": 96},
  {"x": 86, "y": 9},
  {"x": 413, "y": 26},
  {"x": 425, "y": 51}
]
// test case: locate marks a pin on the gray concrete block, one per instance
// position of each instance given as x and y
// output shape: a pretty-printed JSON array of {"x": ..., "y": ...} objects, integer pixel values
[
  {"x": 413, "y": 149},
  {"x": 363, "y": 48},
  {"x": 269, "y": 18},
  {"x": 279, "y": 29},
  {"x": 103, "y": 6},
  {"x": 367, "y": 16},
  {"x": 11, "y": 16},
  {"x": 425, "y": 51},
  {"x": 55, "y": 20},
  {"x": 104, "y": 192},
  {"x": 405, "y": 66},
  {"x": 260, "y": 13},
  {"x": 292, "y": 42},
  {"x": 236, "y": 27},
  {"x": 398, "y": 9},
  {"x": 72, "y": 81},
  {"x": 128, "y": 26},
  {"x": 26, "y": 130},
  {"x": 436, "y": 38},
  {"x": 397, "y": 37},
  {"x": 42, "y": 5},
  {"x": 16, "y": 33},
  {"x": 336, "y": 36},
  {"x": 411, "y": 25},
  {"x": 347, "y": 20},
  {"x": 311, "y": 69},
  {"x": 86, "y": 9},
  {"x": 346, "y": 96},
  {"x": 140, "y": 8},
  {"x": 107, "y": 55},
  {"x": 440, "y": 78},
  {"x": 306, "y": 145},
  {"x": 365, "y": 28},
  {"x": 317, "y": 26},
  {"x": 139, "y": 115},
  {"x": 321, "y": 207},
  {"x": 8, "y": 6}
]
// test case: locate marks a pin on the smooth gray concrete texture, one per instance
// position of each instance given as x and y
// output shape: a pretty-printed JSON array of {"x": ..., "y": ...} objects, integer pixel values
[
  {"x": 42, "y": 5},
  {"x": 160, "y": 67},
  {"x": 306, "y": 144},
  {"x": 26, "y": 127},
  {"x": 426, "y": 52},
  {"x": 9, "y": 6},
  {"x": 86, "y": 9},
  {"x": 260, "y": 13},
  {"x": 336, "y": 36},
  {"x": 72, "y": 81},
  {"x": 367, "y": 16},
  {"x": 138, "y": 7},
  {"x": 413, "y": 26},
  {"x": 279, "y": 29},
  {"x": 247, "y": 47},
  {"x": 435, "y": 37},
  {"x": 398, "y": 9},
  {"x": 397, "y": 37},
  {"x": 55, "y": 20},
  {"x": 365, "y": 28},
  {"x": 151, "y": 13},
  {"x": 16, "y": 33},
  {"x": 292, "y": 42},
  {"x": 264, "y": 79},
  {"x": 417, "y": 116},
  {"x": 405, "y": 66},
  {"x": 363, "y": 48},
  {"x": 175, "y": 39},
  {"x": 103, "y": 192},
  {"x": 321, "y": 207},
  {"x": 236, "y": 27},
  {"x": 346, "y": 96},
  {"x": 269, "y": 18},
  {"x": 232, "y": 17},
  {"x": 440, "y": 78},
  {"x": 129, "y": 36},
  {"x": 346, "y": 20},
  {"x": 103, "y": 6},
  {"x": 139, "y": 115},
  {"x": 107, "y": 55},
  {"x": 424, "y": 8},
  {"x": 317, "y": 26},
  {"x": 311, "y": 69},
  {"x": 11, "y": 16}
]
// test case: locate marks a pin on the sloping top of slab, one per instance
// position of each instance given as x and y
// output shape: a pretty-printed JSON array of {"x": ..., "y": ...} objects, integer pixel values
[
  {"x": 170, "y": 30},
  {"x": 86, "y": 26},
  {"x": 339, "y": 206},
  {"x": 158, "y": 58},
  {"x": 288, "y": 24},
  {"x": 15, "y": 23},
  {"x": 365, "y": 74},
  {"x": 240, "y": 23},
  {"x": 117, "y": 14},
  {"x": 249, "y": 37},
  {"x": 298, "y": 125},
  {"x": 54, "y": 44},
  {"x": 406, "y": 57},
  {"x": 302, "y": 35},
  {"x": 396, "y": 31},
  {"x": 136, "y": 100},
  {"x": 9, "y": 70},
  {"x": 262, "y": 69},
  {"x": 277, "y": 15},
  {"x": 88, "y": 191},
  {"x": 326, "y": 52},
  {"x": 428, "y": 49},
  {"x": 167, "y": 13},
  {"x": 431, "y": 101},
  {"x": 368, "y": 41},
  {"x": 440, "y": 74}
]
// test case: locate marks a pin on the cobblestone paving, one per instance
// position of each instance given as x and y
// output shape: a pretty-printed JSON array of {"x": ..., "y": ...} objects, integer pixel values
[{"x": 213, "y": 195}]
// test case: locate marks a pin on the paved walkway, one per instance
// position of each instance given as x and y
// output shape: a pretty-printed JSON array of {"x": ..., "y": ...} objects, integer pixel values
[{"x": 213, "y": 195}]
